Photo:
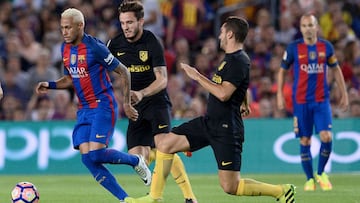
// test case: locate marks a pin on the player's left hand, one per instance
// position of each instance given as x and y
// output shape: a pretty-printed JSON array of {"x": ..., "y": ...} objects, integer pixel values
[
  {"x": 1, "y": 93},
  {"x": 190, "y": 71},
  {"x": 245, "y": 110},
  {"x": 131, "y": 112},
  {"x": 344, "y": 103}
]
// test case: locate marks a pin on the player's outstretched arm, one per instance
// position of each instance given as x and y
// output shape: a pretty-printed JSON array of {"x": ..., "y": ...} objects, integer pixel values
[
  {"x": 62, "y": 83},
  {"x": 221, "y": 91}
]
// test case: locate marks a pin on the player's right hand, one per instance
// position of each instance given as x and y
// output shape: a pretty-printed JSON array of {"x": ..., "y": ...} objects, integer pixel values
[
  {"x": 136, "y": 97},
  {"x": 280, "y": 101},
  {"x": 42, "y": 87}
]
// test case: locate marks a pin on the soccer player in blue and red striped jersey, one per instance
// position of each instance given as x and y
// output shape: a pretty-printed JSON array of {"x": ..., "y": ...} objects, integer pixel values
[
  {"x": 311, "y": 58},
  {"x": 86, "y": 61}
]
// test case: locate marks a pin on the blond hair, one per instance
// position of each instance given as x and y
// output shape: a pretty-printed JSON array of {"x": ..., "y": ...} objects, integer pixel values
[{"x": 75, "y": 14}]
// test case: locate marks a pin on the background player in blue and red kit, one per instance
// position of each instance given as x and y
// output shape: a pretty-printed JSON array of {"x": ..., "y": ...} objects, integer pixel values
[
  {"x": 86, "y": 62},
  {"x": 312, "y": 58}
]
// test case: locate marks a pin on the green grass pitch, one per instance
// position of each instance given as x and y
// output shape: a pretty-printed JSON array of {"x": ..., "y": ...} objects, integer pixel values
[{"x": 84, "y": 189}]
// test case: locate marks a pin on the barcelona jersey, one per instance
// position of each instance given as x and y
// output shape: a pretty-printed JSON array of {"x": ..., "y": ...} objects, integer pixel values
[
  {"x": 87, "y": 64},
  {"x": 310, "y": 66}
]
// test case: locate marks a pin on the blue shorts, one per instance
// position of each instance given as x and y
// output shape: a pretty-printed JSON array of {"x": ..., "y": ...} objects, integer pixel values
[
  {"x": 94, "y": 125},
  {"x": 310, "y": 115}
]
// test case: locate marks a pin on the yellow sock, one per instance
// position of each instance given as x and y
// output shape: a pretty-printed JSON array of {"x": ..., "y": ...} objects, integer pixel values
[
  {"x": 152, "y": 155},
  {"x": 161, "y": 171},
  {"x": 179, "y": 174},
  {"x": 250, "y": 187}
]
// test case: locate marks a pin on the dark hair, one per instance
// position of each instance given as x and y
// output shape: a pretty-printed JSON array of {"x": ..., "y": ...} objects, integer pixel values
[
  {"x": 239, "y": 26},
  {"x": 132, "y": 6}
]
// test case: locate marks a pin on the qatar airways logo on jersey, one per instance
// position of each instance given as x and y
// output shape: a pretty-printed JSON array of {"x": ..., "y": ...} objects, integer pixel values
[
  {"x": 77, "y": 72},
  {"x": 312, "y": 68}
]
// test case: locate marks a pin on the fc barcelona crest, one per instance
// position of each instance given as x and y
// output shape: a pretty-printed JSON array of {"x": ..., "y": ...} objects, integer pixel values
[
  {"x": 73, "y": 59},
  {"x": 312, "y": 55},
  {"x": 143, "y": 55},
  {"x": 81, "y": 59}
]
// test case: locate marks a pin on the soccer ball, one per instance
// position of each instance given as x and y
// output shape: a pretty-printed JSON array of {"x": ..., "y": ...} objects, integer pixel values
[{"x": 25, "y": 192}]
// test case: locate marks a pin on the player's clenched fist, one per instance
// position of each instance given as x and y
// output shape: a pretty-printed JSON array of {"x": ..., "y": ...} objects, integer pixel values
[{"x": 42, "y": 87}]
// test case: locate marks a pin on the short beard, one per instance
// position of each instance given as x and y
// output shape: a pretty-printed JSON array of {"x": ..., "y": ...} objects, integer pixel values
[
  {"x": 136, "y": 32},
  {"x": 131, "y": 38}
]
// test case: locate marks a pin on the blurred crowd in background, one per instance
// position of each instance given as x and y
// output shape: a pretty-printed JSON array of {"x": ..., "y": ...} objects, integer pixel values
[{"x": 30, "y": 41}]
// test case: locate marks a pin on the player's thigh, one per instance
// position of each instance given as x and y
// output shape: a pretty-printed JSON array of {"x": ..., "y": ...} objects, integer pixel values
[
  {"x": 139, "y": 133},
  {"x": 195, "y": 132},
  {"x": 153, "y": 120},
  {"x": 103, "y": 125},
  {"x": 303, "y": 120},
  {"x": 171, "y": 143},
  {"x": 82, "y": 128},
  {"x": 227, "y": 149},
  {"x": 160, "y": 119},
  {"x": 323, "y": 117}
]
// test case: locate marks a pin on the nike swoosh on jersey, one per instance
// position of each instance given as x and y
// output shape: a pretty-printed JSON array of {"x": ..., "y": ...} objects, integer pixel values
[
  {"x": 100, "y": 136},
  {"x": 120, "y": 53},
  {"x": 162, "y": 126},
  {"x": 223, "y": 163},
  {"x": 302, "y": 56}
]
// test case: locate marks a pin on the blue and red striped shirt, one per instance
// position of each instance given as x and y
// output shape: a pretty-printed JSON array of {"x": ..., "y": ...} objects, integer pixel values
[
  {"x": 310, "y": 66},
  {"x": 87, "y": 64}
]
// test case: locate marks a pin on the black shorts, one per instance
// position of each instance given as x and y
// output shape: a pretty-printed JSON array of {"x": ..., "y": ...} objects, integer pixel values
[
  {"x": 227, "y": 146},
  {"x": 152, "y": 120}
]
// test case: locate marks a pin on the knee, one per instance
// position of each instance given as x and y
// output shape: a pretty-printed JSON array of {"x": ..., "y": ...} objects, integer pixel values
[
  {"x": 305, "y": 141},
  {"x": 162, "y": 145},
  {"x": 325, "y": 136},
  {"x": 96, "y": 155},
  {"x": 86, "y": 160},
  {"x": 229, "y": 188}
]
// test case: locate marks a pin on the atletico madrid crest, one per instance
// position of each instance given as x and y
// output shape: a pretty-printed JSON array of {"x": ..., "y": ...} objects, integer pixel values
[{"x": 143, "y": 55}]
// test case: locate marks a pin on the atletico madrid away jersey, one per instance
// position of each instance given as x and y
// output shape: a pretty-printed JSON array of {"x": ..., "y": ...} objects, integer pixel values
[
  {"x": 310, "y": 66},
  {"x": 87, "y": 63},
  {"x": 235, "y": 68},
  {"x": 140, "y": 58}
]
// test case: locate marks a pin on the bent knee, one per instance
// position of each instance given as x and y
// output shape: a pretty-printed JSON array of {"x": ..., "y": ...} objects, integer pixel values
[
  {"x": 229, "y": 188},
  {"x": 97, "y": 155},
  {"x": 163, "y": 146}
]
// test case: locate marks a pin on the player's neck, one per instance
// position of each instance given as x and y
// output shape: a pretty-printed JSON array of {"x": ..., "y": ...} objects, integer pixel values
[
  {"x": 137, "y": 37},
  {"x": 78, "y": 40},
  {"x": 310, "y": 41},
  {"x": 233, "y": 47}
]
